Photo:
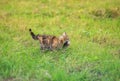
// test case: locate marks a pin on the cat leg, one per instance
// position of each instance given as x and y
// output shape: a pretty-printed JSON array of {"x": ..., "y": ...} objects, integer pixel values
[{"x": 42, "y": 47}]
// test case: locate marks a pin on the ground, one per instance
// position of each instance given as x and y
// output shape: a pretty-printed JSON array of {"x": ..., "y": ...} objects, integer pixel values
[{"x": 93, "y": 27}]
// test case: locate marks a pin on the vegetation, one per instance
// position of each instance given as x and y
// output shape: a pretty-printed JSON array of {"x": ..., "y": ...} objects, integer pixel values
[{"x": 92, "y": 25}]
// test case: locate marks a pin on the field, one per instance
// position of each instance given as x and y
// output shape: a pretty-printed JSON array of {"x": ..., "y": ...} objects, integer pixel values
[{"x": 93, "y": 27}]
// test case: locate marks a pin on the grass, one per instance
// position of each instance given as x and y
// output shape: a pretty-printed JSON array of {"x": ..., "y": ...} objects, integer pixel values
[{"x": 92, "y": 25}]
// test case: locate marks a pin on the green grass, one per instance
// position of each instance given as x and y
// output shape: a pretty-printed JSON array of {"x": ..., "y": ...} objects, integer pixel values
[{"x": 92, "y": 25}]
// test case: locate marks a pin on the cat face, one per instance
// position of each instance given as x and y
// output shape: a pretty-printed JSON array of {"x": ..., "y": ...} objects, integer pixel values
[{"x": 65, "y": 39}]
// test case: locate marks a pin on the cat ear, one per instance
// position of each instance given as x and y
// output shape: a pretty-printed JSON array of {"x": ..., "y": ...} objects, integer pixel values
[{"x": 64, "y": 34}]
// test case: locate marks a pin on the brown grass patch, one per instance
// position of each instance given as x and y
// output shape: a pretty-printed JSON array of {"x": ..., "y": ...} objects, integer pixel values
[{"x": 106, "y": 13}]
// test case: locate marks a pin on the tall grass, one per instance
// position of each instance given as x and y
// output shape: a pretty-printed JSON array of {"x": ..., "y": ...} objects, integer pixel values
[{"x": 92, "y": 25}]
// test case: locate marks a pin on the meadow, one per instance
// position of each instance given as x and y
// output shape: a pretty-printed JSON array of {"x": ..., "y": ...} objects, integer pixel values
[{"x": 93, "y": 27}]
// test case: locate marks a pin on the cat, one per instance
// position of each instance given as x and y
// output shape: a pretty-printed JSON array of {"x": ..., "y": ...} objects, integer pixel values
[{"x": 49, "y": 42}]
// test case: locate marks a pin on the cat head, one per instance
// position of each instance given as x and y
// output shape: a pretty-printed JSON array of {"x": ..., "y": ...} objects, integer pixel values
[{"x": 65, "y": 39}]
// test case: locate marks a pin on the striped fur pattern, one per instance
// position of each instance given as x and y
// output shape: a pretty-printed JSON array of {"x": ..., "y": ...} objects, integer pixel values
[{"x": 49, "y": 42}]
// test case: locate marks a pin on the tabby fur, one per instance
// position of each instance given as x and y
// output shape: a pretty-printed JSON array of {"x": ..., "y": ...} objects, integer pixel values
[{"x": 49, "y": 42}]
